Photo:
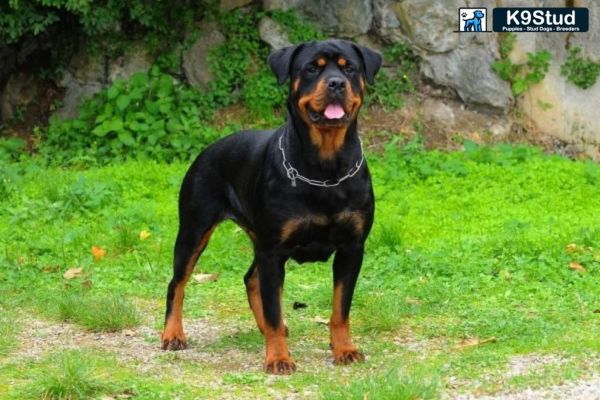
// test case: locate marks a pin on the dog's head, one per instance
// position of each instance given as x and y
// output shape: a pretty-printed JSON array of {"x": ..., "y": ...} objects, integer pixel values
[
  {"x": 327, "y": 80},
  {"x": 478, "y": 14}
]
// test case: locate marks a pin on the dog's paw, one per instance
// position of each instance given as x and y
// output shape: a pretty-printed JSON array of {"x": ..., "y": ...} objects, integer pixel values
[
  {"x": 173, "y": 342},
  {"x": 347, "y": 356},
  {"x": 280, "y": 366}
]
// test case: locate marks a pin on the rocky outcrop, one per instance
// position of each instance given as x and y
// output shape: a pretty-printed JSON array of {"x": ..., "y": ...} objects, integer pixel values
[
  {"x": 344, "y": 18},
  {"x": 87, "y": 75},
  {"x": 228, "y": 5},
  {"x": 20, "y": 89},
  {"x": 273, "y": 34},
  {"x": 196, "y": 65}
]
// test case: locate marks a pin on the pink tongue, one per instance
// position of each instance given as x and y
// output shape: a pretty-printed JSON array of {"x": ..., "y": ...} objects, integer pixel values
[{"x": 334, "y": 111}]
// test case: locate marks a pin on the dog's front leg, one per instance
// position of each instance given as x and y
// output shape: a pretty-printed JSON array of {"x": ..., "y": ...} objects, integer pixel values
[
  {"x": 346, "y": 267},
  {"x": 271, "y": 274}
]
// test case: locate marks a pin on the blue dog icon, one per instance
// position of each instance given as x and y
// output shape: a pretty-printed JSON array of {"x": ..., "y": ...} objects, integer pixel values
[{"x": 473, "y": 24}]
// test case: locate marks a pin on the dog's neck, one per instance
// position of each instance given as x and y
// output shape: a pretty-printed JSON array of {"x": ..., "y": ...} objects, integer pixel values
[{"x": 306, "y": 156}]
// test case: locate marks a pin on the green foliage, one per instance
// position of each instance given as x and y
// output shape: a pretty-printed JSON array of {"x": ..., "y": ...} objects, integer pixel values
[
  {"x": 521, "y": 76},
  {"x": 98, "y": 313},
  {"x": 150, "y": 115},
  {"x": 297, "y": 29},
  {"x": 580, "y": 71},
  {"x": 394, "y": 384},
  {"x": 11, "y": 149},
  {"x": 390, "y": 88},
  {"x": 98, "y": 20},
  {"x": 68, "y": 376},
  {"x": 507, "y": 42}
]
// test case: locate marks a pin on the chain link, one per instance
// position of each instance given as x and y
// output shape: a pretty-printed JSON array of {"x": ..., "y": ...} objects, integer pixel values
[{"x": 293, "y": 174}]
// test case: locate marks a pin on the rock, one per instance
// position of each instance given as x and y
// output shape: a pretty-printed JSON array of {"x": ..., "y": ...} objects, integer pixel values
[
  {"x": 555, "y": 106},
  {"x": 195, "y": 61},
  {"x": 436, "y": 111},
  {"x": 467, "y": 70},
  {"x": 228, "y": 5},
  {"x": 340, "y": 18},
  {"x": 86, "y": 68},
  {"x": 428, "y": 24},
  {"x": 385, "y": 22},
  {"x": 272, "y": 33},
  {"x": 284, "y": 5},
  {"x": 135, "y": 60},
  {"x": 75, "y": 92},
  {"x": 20, "y": 90}
]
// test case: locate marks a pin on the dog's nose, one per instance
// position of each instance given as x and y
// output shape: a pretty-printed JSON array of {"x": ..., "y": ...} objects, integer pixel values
[{"x": 336, "y": 84}]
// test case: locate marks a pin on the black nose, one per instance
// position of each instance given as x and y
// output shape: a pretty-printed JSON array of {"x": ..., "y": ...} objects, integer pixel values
[{"x": 336, "y": 84}]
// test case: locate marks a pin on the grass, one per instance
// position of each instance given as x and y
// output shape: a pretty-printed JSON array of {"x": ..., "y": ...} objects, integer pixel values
[
  {"x": 101, "y": 313},
  {"x": 467, "y": 266},
  {"x": 70, "y": 376}
]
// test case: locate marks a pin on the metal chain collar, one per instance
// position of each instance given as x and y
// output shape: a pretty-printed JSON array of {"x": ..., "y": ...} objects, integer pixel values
[{"x": 292, "y": 173}]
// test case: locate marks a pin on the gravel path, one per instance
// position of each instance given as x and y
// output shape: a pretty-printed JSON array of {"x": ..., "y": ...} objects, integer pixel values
[{"x": 577, "y": 390}]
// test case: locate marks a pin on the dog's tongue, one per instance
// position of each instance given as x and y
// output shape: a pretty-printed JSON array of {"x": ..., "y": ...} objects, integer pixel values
[{"x": 334, "y": 111}]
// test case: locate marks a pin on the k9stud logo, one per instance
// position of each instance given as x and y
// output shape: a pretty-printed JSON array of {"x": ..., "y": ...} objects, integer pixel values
[{"x": 472, "y": 19}]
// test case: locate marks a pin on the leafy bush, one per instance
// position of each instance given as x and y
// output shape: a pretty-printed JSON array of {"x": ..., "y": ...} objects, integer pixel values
[
  {"x": 97, "y": 19},
  {"x": 580, "y": 71},
  {"x": 151, "y": 115},
  {"x": 521, "y": 76}
]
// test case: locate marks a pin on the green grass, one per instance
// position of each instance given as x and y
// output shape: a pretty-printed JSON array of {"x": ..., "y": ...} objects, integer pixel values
[
  {"x": 69, "y": 376},
  {"x": 100, "y": 313},
  {"x": 466, "y": 246}
]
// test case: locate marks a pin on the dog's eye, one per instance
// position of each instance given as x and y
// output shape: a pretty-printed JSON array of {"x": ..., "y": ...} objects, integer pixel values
[
  {"x": 312, "y": 69},
  {"x": 348, "y": 69}
]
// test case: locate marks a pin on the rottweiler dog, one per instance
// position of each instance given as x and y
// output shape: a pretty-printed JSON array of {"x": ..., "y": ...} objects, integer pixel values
[{"x": 302, "y": 191}]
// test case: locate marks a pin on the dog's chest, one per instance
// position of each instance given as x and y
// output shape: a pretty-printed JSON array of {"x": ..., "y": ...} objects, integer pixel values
[{"x": 314, "y": 237}]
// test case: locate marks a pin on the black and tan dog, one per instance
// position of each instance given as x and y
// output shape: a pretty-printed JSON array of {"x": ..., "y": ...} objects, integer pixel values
[{"x": 302, "y": 191}]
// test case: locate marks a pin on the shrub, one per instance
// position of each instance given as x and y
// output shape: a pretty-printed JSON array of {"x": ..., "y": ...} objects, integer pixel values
[
  {"x": 580, "y": 71},
  {"x": 151, "y": 115}
]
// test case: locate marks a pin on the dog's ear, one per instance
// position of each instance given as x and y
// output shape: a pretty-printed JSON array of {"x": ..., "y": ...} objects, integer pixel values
[
  {"x": 281, "y": 60},
  {"x": 371, "y": 60}
]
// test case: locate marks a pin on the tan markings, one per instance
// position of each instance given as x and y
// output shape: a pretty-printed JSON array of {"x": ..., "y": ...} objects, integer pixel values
[
  {"x": 296, "y": 85},
  {"x": 315, "y": 99},
  {"x": 321, "y": 62},
  {"x": 294, "y": 224},
  {"x": 253, "y": 291},
  {"x": 174, "y": 325},
  {"x": 327, "y": 139},
  {"x": 362, "y": 84},
  {"x": 277, "y": 350},
  {"x": 339, "y": 328},
  {"x": 342, "y": 62},
  {"x": 353, "y": 101},
  {"x": 353, "y": 217}
]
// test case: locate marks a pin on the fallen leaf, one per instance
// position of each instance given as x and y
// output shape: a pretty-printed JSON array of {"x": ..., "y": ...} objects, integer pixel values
[
  {"x": 144, "y": 234},
  {"x": 73, "y": 273},
  {"x": 203, "y": 278},
  {"x": 413, "y": 301},
  {"x": 471, "y": 342},
  {"x": 98, "y": 253},
  {"x": 320, "y": 320},
  {"x": 572, "y": 248},
  {"x": 575, "y": 266}
]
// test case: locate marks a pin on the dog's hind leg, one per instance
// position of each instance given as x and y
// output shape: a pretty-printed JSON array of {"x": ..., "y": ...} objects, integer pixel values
[{"x": 194, "y": 232}]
